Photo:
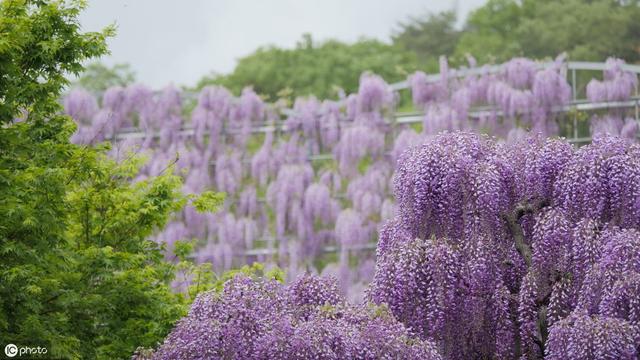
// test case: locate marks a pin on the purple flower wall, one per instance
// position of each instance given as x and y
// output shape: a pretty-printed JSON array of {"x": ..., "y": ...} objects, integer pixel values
[{"x": 292, "y": 189}]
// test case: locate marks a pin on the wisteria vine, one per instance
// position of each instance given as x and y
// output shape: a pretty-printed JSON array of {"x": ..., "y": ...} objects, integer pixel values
[
  {"x": 518, "y": 250},
  {"x": 283, "y": 207}
]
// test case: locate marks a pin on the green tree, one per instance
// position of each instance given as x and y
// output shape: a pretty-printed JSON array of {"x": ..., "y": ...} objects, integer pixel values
[
  {"x": 586, "y": 30},
  {"x": 77, "y": 273},
  {"x": 39, "y": 45},
  {"x": 429, "y": 37},
  {"x": 589, "y": 30},
  {"x": 98, "y": 77},
  {"x": 489, "y": 32},
  {"x": 313, "y": 68}
]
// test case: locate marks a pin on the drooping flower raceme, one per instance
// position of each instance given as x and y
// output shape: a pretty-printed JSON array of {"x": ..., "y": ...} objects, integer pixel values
[
  {"x": 209, "y": 115},
  {"x": 522, "y": 93},
  {"x": 262, "y": 162},
  {"x": 285, "y": 196},
  {"x": 248, "y": 110},
  {"x": 356, "y": 143},
  {"x": 228, "y": 172},
  {"x": 406, "y": 139},
  {"x": 80, "y": 105},
  {"x": 617, "y": 85}
]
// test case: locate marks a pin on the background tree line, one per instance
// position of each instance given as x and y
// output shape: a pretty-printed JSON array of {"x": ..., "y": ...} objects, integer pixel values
[
  {"x": 499, "y": 30},
  {"x": 589, "y": 30}
]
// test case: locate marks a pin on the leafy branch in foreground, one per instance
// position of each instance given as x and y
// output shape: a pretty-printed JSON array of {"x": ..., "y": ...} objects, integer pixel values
[{"x": 78, "y": 274}]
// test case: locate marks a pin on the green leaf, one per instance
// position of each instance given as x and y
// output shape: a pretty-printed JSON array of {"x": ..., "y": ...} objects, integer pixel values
[{"x": 208, "y": 201}]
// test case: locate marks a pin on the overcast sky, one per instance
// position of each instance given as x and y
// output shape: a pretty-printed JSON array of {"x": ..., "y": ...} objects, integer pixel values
[{"x": 180, "y": 41}]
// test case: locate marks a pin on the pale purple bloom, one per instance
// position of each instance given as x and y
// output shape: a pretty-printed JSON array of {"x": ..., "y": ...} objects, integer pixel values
[
  {"x": 373, "y": 94},
  {"x": 356, "y": 143},
  {"x": 350, "y": 229},
  {"x": 285, "y": 196},
  {"x": 228, "y": 172},
  {"x": 329, "y": 124},
  {"x": 520, "y": 72},
  {"x": 423, "y": 91},
  {"x": 262, "y": 162},
  {"x": 318, "y": 204},
  {"x": 80, "y": 105},
  {"x": 332, "y": 179},
  {"x": 388, "y": 210},
  {"x": 617, "y": 85},
  {"x": 582, "y": 337},
  {"x": 248, "y": 202},
  {"x": 406, "y": 139},
  {"x": 209, "y": 115}
]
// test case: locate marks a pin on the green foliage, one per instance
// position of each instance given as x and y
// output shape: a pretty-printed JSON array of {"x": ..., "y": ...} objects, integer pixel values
[
  {"x": 502, "y": 29},
  {"x": 499, "y": 30},
  {"x": 39, "y": 45},
  {"x": 429, "y": 37},
  {"x": 78, "y": 274},
  {"x": 364, "y": 164},
  {"x": 98, "y": 77},
  {"x": 314, "y": 68},
  {"x": 198, "y": 278},
  {"x": 255, "y": 143},
  {"x": 586, "y": 30},
  {"x": 208, "y": 201},
  {"x": 417, "y": 127},
  {"x": 489, "y": 33}
]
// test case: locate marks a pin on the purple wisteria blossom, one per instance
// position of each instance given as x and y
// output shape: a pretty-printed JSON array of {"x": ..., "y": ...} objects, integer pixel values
[
  {"x": 518, "y": 246},
  {"x": 305, "y": 320},
  {"x": 519, "y": 250},
  {"x": 81, "y": 106},
  {"x": 617, "y": 84}
]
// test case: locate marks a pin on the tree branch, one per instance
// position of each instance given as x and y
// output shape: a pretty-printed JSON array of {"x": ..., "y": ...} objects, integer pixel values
[
  {"x": 518, "y": 236},
  {"x": 513, "y": 223}
]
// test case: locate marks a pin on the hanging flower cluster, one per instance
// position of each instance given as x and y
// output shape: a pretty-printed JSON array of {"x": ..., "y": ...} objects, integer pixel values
[
  {"x": 305, "y": 320},
  {"x": 516, "y": 251},
  {"x": 287, "y": 184}
]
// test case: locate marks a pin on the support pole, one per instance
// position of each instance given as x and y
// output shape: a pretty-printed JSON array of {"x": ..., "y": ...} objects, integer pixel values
[
  {"x": 637, "y": 103},
  {"x": 574, "y": 87}
]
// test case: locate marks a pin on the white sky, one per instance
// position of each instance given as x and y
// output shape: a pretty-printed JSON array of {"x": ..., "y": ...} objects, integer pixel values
[{"x": 168, "y": 41}]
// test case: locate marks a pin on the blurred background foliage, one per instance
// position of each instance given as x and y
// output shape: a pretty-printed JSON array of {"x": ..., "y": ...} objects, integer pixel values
[
  {"x": 587, "y": 30},
  {"x": 98, "y": 77},
  {"x": 312, "y": 67}
]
